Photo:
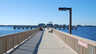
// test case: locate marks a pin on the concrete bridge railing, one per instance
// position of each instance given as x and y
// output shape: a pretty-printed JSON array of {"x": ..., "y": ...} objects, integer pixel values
[
  {"x": 10, "y": 41},
  {"x": 78, "y": 44}
]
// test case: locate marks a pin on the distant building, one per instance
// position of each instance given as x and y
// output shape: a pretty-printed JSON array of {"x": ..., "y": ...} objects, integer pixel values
[
  {"x": 41, "y": 25},
  {"x": 56, "y": 25},
  {"x": 49, "y": 25}
]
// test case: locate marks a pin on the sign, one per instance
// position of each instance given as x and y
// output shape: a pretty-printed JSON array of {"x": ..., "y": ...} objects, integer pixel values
[{"x": 82, "y": 43}]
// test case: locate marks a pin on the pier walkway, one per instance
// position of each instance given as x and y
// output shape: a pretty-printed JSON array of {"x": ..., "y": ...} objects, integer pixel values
[
  {"x": 48, "y": 43},
  {"x": 51, "y": 44},
  {"x": 30, "y": 46}
]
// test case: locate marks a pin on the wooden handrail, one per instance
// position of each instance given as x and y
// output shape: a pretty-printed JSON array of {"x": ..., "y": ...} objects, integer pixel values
[
  {"x": 10, "y": 41},
  {"x": 78, "y": 44}
]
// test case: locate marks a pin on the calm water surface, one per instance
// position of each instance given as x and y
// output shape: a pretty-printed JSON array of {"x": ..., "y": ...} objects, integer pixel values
[
  {"x": 5, "y": 30},
  {"x": 85, "y": 32}
]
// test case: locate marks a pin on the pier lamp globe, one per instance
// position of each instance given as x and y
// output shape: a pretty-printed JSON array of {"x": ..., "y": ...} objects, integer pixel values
[{"x": 70, "y": 16}]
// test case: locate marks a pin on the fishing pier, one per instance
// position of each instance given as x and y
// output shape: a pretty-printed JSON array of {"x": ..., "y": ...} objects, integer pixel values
[{"x": 44, "y": 42}]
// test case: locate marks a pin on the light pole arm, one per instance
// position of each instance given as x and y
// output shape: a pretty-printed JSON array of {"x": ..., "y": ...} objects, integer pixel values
[{"x": 70, "y": 17}]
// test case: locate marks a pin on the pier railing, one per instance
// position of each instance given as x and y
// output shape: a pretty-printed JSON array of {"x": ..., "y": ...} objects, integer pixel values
[
  {"x": 78, "y": 44},
  {"x": 10, "y": 41}
]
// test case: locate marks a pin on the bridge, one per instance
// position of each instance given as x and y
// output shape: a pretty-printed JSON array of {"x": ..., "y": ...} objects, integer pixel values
[{"x": 45, "y": 42}]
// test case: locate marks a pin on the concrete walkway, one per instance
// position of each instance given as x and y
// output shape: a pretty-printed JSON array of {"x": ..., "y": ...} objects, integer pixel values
[
  {"x": 51, "y": 44},
  {"x": 30, "y": 46}
]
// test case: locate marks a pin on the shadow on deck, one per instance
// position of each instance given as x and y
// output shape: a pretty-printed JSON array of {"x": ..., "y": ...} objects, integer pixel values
[{"x": 30, "y": 46}]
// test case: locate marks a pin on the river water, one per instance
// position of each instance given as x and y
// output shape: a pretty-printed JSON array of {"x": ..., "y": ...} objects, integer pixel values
[
  {"x": 5, "y": 30},
  {"x": 85, "y": 32}
]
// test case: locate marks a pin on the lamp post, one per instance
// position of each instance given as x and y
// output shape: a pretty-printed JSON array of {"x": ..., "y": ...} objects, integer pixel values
[{"x": 70, "y": 17}]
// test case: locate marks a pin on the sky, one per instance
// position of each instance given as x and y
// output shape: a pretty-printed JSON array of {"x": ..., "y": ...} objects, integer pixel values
[{"x": 31, "y": 12}]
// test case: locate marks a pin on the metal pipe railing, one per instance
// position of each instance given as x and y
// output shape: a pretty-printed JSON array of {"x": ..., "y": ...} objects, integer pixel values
[
  {"x": 78, "y": 44},
  {"x": 10, "y": 41}
]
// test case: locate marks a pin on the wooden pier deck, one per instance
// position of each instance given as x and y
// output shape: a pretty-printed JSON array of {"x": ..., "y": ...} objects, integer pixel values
[
  {"x": 48, "y": 43},
  {"x": 52, "y": 44},
  {"x": 30, "y": 46}
]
